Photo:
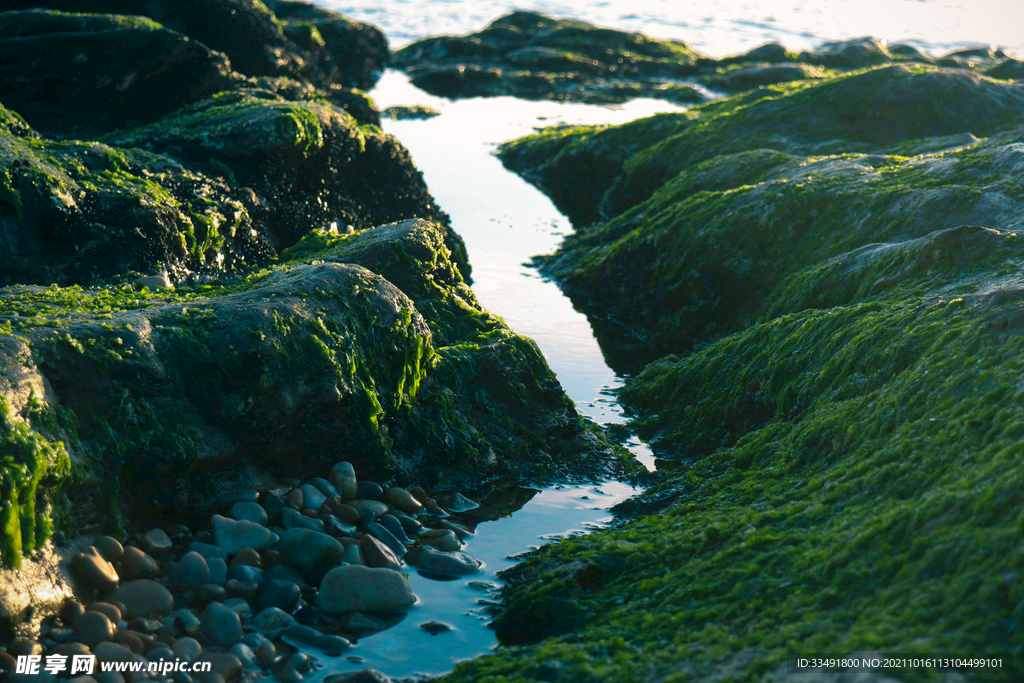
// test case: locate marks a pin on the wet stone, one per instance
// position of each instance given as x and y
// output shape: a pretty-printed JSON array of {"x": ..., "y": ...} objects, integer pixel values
[
  {"x": 92, "y": 628},
  {"x": 96, "y": 570},
  {"x": 352, "y": 588},
  {"x": 346, "y": 513},
  {"x": 272, "y": 621},
  {"x": 274, "y": 505},
  {"x": 191, "y": 570},
  {"x": 386, "y": 537},
  {"x": 239, "y": 606},
  {"x": 112, "y": 652},
  {"x": 460, "y": 531},
  {"x": 184, "y": 621},
  {"x": 249, "y": 512},
  {"x": 282, "y": 572},
  {"x": 242, "y": 589},
  {"x": 266, "y": 653},
  {"x": 310, "y": 553},
  {"x": 70, "y": 612},
  {"x": 335, "y": 527},
  {"x": 343, "y": 478},
  {"x": 443, "y": 539},
  {"x": 211, "y": 592},
  {"x": 110, "y": 548},
  {"x": 411, "y": 526},
  {"x": 157, "y": 542},
  {"x": 247, "y": 556},
  {"x": 394, "y": 527},
  {"x": 435, "y": 627},
  {"x": 239, "y": 496},
  {"x": 364, "y": 676},
  {"x": 326, "y": 487},
  {"x": 225, "y": 665},
  {"x": 460, "y": 504},
  {"x": 136, "y": 564},
  {"x": 292, "y": 519},
  {"x": 245, "y": 655},
  {"x": 373, "y": 507},
  {"x": 376, "y": 554},
  {"x": 432, "y": 561},
  {"x": 303, "y": 637},
  {"x": 210, "y": 552},
  {"x": 221, "y": 624},
  {"x": 294, "y": 499},
  {"x": 403, "y": 500},
  {"x": 143, "y": 598},
  {"x": 369, "y": 490},
  {"x": 282, "y": 594},
  {"x": 246, "y": 573},
  {"x": 112, "y": 612},
  {"x": 236, "y": 535},
  {"x": 312, "y": 497},
  {"x": 144, "y": 625},
  {"x": 218, "y": 570}
]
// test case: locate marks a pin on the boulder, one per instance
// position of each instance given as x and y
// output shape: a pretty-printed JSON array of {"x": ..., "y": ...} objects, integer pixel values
[{"x": 353, "y": 588}]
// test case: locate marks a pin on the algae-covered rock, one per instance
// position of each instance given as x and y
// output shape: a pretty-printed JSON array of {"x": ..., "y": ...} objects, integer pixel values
[
  {"x": 213, "y": 187},
  {"x": 163, "y": 399},
  {"x": 706, "y": 221},
  {"x": 531, "y": 55},
  {"x": 101, "y": 71},
  {"x": 323, "y": 47},
  {"x": 843, "y": 405}
]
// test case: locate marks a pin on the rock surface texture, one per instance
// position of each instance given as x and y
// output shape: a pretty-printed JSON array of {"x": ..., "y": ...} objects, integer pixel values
[{"x": 819, "y": 286}]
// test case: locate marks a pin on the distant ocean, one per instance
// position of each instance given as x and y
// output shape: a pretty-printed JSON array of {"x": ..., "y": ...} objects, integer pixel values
[{"x": 724, "y": 27}]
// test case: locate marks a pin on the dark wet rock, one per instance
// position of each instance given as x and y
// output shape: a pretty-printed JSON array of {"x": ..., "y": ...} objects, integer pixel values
[
  {"x": 92, "y": 628},
  {"x": 404, "y": 112},
  {"x": 95, "y": 570},
  {"x": 304, "y": 637},
  {"x": 352, "y": 588},
  {"x": 444, "y": 563},
  {"x": 136, "y": 564},
  {"x": 281, "y": 594},
  {"x": 142, "y": 598},
  {"x": 1009, "y": 68},
  {"x": 101, "y": 72},
  {"x": 531, "y": 55},
  {"x": 241, "y": 572},
  {"x": 221, "y": 624},
  {"x": 310, "y": 553},
  {"x": 747, "y": 76},
  {"x": 191, "y": 570},
  {"x": 378, "y": 554},
  {"x": 110, "y": 548}
]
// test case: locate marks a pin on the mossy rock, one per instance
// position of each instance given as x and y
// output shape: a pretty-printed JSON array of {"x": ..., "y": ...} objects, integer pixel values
[
  {"x": 722, "y": 211},
  {"x": 73, "y": 211},
  {"x": 347, "y": 53},
  {"x": 164, "y": 399},
  {"x": 100, "y": 72},
  {"x": 527, "y": 54}
]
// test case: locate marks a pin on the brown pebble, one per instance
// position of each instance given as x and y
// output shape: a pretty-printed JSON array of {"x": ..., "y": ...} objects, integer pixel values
[
  {"x": 157, "y": 542},
  {"x": 266, "y": 653},
  {"x": 95, "y": 569},
  {"x": 111, "y": 612},
  {"x": 165, "y": 637},
  {"x": 71, "y": 649},
  {"x": 309, "y": 512},
  {"x": 346, "y": 513},
  {"x": 71, "y": 611},
  {"x": 139, "y": 565},
  {"x": 420, "y": 495},
  {"x": 7, "y": 662},
  {"x": 247, "y": 556},
  {"x": 133, "y": 643},
  {"x": 270, "y": 557},
  {"x": 92, "y": 628},
  {"x": 377, "y": 554},
  {"x": 294, "y": 499},
  {"x": 242, "y": 589},
  {"x": 109, "y": 547},
  {"x": 144, "y": 625}
]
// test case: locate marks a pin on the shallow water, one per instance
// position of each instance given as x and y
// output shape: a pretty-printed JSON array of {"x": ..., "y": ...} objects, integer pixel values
[{"x": 724, "y": 27}]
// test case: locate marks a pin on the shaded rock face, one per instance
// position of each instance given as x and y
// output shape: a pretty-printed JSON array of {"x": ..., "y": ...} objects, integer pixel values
[
  {"x": 708, "y": 212},
  {"x": 530, "y": 55},
  {"x": 178, "y": 395},
  {"x": 105, "y": 71},
  {"x": 228, "y": 182},
  {"x": 320, "y": 47}
]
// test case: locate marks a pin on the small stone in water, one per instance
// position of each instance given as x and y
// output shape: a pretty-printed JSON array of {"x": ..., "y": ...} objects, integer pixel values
[
  {"x": 352, "y": 588},
  {"x": 364, "y": 676},
  {"x": 444, "y": 539},
  {"x": 435, "y": 627},
  {"x": 304, "y": 636},
  {"x": 460, "y": 503}
]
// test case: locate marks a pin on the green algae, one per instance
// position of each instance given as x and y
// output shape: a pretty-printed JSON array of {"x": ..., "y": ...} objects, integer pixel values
[{"x": 26, "y": 458}]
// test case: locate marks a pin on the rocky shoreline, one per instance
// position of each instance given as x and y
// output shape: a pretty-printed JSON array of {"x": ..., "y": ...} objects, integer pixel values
[
  {"x": 218, "y": 274},
  {"x": 814, "y": 283}
]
